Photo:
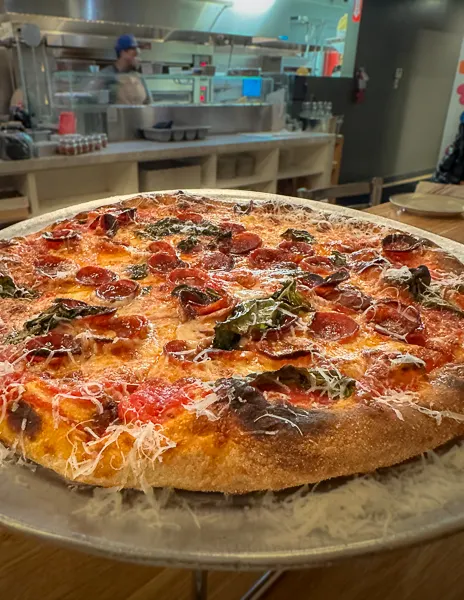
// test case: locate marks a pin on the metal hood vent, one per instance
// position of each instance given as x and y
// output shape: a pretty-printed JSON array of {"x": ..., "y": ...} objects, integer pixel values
[{"x": 147, "y": 18}]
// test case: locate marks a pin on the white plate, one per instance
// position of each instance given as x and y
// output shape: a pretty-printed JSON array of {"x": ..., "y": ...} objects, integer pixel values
[{"x": 429, "y": 205}]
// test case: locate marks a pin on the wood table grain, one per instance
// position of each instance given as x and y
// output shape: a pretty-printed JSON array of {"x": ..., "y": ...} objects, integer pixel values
[
  {"x": 33, "y": 570},
  {"x": 452, "y": 228}
]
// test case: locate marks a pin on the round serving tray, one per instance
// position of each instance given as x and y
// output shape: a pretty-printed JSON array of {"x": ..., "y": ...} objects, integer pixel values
[{"x": 399, "y": 506}]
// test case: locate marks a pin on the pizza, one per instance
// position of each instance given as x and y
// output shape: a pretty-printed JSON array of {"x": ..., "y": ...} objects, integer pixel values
[{"x": 173, "y": 340}]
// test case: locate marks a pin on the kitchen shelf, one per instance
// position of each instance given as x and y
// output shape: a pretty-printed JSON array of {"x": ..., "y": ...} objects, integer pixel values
[
  {"x": 236, "y": 182},
  {"x": 298, "y": 172}
]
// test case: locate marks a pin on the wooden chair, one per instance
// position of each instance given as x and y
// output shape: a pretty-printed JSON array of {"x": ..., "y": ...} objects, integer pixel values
[{"x": 347, "y": 190}]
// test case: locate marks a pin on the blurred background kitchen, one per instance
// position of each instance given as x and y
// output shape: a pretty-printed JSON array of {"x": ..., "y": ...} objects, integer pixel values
[{"x": 99, "y": 98}]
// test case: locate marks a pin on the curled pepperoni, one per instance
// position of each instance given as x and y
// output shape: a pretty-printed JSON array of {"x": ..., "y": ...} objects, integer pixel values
[
  {"x": 351, "y": 298},
  {"x": 264, "y": 257},
  {"x": 333, "y": 327},
  {"x": 217, "y": 261},
  {"x": 51, "y": 266},
  {"x": 61, "y": 235},
  {"x": 190, "y": 216},
  {"x": 317, "y": 264},
  {"x": 401, "y": 242},
  {"x": 193, "y": 277},
  {"x": 179, "y": 350},
  {"x": 56, "y": 344},
  {"x": 129, "y": 326},
  {"x": 280, "y": 349},
  {"x": 311, "y": 280},
  {"x": 331, "y": 282},
  {"x": 95, "y": 276},
  {"x": 123, "y": 289},
  {"x": 243, "y": 277},
  {"x": 163, "y": 262},
  {"x": 234, "y": 228},
  {"x": 242, "y": 243},
  {"x": 397, "y": 320},
  {"x": 156, "y": 247},
  {"x": 302, "y": 248},
  {"x": 209, "y": 309}
]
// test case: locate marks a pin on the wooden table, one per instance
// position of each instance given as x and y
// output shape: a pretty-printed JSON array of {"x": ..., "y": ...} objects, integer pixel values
[
  {"x": 452, "y": 228},
  {"x": 33, "y": 570}
]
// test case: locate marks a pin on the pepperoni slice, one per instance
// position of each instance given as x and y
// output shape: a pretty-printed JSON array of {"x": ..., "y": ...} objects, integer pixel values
[
  {"x": 234, "y": 228},
  {"x": 51, "y": 266},
  {"x": 155, "y": 401},
  {"x": 156, "y": 247},
  {"x": 179, "y": 350},
  {"x": 129, "y": 326},
  {"x": 61, "y": 235},
  {"x": 242, "y": 243},
  {"x": 194, "y": 277},
  {"x": 190, "y": 216},
  {"x": 56, "y": 344},
  {"x": 400, "y": 242},
  {"x": 163, "y": 262},
  {"x": 217, "y": 261},
  {"x": 302, "y": 248},
  {"x": 333, "y": 327},
  {"x": 397, "y": 320},
  {"x": 280, "y": 349},
  {"x": 209, "y": 309},
  {"x": 95, "y": 276},
  {"x": 311, "y": 280},
  {"x": 317, "y": 264},
  {"x": 243, "y": 277},
  {"x": 264, "y": 257},
  {"x": 123, "y": 289},
  {"x": 328, "y": 284},
  {"x": 351, "y": 298}
]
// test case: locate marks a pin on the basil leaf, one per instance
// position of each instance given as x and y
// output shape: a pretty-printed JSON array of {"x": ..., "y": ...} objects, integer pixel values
[
  {"x": 188, "y": 244},
  {"x": 255, "y": 317},
  {"x": 329, "y": 382},
  {"x": 289, "y": 294},
  {"x": 430, "y": 297},
  {"x": 434, "y": 300},
  {"x": 298, "y": 235},
  {"x": 249, "y": 317},
  {"x": 338, "y": 259},
  {"x": 9, "y": 289},
  {"x": 63, "y": 310},
  {"x": 173, "y": 225},
  {"x": 137, "y": 272}
]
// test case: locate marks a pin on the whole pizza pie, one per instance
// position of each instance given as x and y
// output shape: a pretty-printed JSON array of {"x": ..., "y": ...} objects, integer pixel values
[{"x": 190, "y": 342}]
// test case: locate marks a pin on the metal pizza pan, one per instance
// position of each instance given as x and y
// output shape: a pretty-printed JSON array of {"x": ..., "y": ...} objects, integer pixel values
[{"x": 400, "y": 506}]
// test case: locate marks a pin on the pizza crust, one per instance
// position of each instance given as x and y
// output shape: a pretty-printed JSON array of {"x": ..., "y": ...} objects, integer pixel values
[{"x": 223, "y": 456}]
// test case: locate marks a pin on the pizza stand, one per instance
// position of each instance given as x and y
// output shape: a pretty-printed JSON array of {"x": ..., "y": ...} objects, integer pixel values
[{"x": 300, "y": 528}]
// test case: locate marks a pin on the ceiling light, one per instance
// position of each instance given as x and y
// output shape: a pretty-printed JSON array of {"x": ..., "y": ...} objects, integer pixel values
[{"x": 252, "y": 7}]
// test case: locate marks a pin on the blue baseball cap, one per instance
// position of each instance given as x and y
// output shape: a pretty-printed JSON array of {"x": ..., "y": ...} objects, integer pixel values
[{"x": 126, "y": 42}]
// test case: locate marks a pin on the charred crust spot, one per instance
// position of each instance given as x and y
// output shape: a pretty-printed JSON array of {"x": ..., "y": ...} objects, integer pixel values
[
  {"x": 256, "y": 415},
  {"x": 22, "y": 417},
  {"x": 107, "y": 417}
]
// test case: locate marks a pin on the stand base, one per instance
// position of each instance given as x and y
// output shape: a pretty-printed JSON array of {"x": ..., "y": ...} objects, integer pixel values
[{"x": 200, "y": 585}]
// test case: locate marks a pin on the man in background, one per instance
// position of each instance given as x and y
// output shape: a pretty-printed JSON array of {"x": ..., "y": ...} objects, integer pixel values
[{"x": 121, "y": 78}]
